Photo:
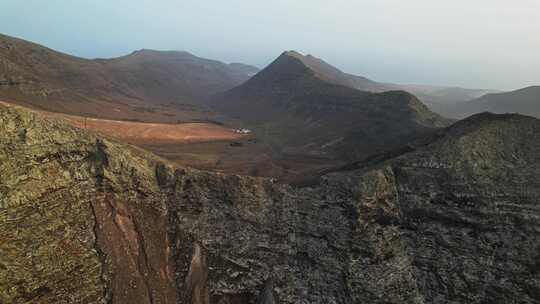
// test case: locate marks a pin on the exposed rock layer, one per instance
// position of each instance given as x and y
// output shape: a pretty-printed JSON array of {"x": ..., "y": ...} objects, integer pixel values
[{"x": 86, "y": 220}]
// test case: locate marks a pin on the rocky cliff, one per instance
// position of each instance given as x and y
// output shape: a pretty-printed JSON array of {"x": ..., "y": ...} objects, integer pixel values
[{"x": 86, "y": 220}]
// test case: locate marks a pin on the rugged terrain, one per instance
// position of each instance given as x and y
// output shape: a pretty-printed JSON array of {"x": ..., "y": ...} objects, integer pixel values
[
  {"x": 454, "y": 218},
  {"x": 317, "y": 123},
  {"x": 299, "y": 106},
  {"x": 146, "y": 85}
]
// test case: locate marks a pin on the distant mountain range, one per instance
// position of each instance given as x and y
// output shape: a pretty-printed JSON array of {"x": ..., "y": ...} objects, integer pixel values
[
  {"x": 163, "y": 86},
  {"x": 301, "y": 104},
  {"x": 145, "y": 85},
  {"x": 523, "y": 101},
  {"x": 440, "y": 99}
]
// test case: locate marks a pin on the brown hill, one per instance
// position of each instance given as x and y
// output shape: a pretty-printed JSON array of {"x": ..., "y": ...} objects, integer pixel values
[
  {"x": 331, "y": 74},
  {"x": 299, "y": 105},
  {"x": 438, "y": 98},
  {"x": 145, "y": 85}
]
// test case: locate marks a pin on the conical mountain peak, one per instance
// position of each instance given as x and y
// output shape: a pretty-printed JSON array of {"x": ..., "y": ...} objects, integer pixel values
[{"x": 294, "y": 65}]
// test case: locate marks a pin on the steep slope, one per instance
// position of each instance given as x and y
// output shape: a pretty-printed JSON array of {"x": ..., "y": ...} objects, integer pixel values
[
  {"x": 331, "y": 74},
  {"x": 438, "y": 98},
  {"x": 86, "y": 220},
  {"x": 145, "y": 85},
  {"x": 466, "y": 207},
  {"x": 296, "y": 104},
  {"x": 525, "y": 101}
]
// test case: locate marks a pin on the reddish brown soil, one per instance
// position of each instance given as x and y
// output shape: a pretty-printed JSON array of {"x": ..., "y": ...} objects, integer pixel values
[
  {"x": 203, "y": 146},
  {"x": 149, "y": 133}
]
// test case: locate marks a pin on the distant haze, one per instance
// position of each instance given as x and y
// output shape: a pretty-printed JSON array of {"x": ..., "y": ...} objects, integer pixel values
[{"x": 482, "y": 43}]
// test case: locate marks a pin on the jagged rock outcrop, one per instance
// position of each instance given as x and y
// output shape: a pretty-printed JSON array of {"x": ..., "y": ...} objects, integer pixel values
[{"x": 87, "y": 220}]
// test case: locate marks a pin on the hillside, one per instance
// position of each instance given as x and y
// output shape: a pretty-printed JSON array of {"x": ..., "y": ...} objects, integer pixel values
[
  {"x": 161, "y": 86},
  {"x": 146, "y": 85},
  {"x": 331, "y": 74},
  {"x": 87, "y": 220},
  {"x": 299, "y": 105},
  {"x": 438, "y": 98},
  {"x": 525, "y": 101},
  {"x": 458, "y": 203}
]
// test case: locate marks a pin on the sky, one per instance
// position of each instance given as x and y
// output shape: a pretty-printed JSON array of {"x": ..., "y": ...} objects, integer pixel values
[{"x": 491, "y": 44}]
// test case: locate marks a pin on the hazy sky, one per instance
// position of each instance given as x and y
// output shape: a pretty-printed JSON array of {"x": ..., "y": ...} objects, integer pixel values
[{"x": 471, "y": 43}]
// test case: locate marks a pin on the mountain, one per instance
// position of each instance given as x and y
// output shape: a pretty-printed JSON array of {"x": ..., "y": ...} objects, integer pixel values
[
  {"x": 442, "y": 99},
  {"x": 525, "y": 101},
  {"x": 300, "y": 104},
  {"x": 331, "y": 74},
  {"x": 438, "y": 98},
  {"x": 87, "y": 220},
  {"x": 145, "y": 85}
]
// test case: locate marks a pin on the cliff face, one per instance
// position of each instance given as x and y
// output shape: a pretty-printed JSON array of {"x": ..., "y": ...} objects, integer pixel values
[
  {"x": 465, "y": 207},
  {"x": 77, "y": 224},
  {"x": 86, "y": 220}
]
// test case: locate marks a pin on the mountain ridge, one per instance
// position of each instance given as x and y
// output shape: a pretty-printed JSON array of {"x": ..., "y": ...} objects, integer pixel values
[
  {"x": 334, "y": 75},
  {"x": 436, "y": 97},
  {"x": 145, "y": 85}
]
